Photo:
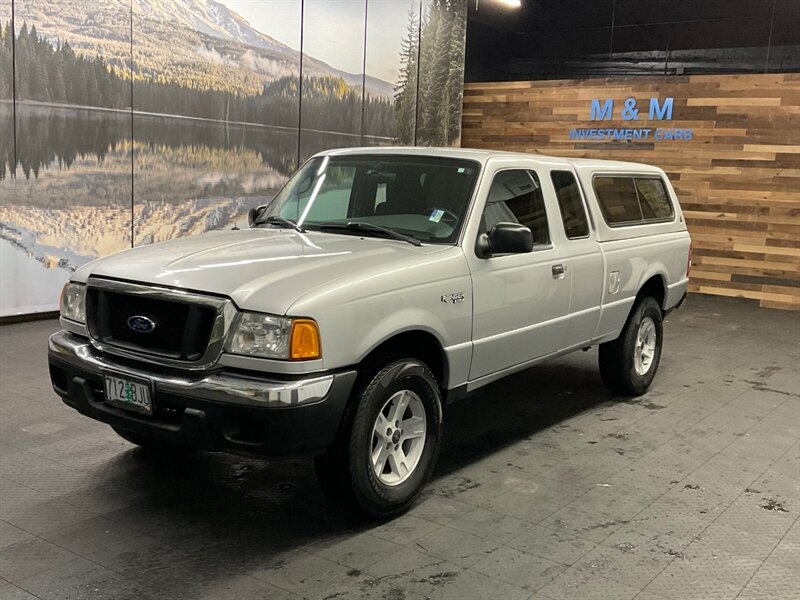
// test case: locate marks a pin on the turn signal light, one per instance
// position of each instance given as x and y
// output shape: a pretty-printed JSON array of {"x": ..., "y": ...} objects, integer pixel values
[{"x": 305, "y": 340}]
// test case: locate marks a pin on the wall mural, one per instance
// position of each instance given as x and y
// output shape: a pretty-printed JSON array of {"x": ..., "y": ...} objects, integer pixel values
[{"x": 132, "y": 122}]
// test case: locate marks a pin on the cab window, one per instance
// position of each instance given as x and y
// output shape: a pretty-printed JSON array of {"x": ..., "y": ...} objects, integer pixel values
[
  {"x": 573, "y": 213},
  {"x": 516, "y": 197}
]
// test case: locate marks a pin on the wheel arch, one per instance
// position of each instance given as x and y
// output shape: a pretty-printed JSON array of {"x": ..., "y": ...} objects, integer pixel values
[
  {"x": 655, "y": 287},
  {"x": 415, "y": 343}
]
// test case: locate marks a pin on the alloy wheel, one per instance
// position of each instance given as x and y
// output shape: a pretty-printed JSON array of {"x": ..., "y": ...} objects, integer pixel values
[{"x": 398, "y": 437}]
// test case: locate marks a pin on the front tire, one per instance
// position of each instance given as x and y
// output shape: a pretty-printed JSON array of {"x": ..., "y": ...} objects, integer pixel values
[
  {"x": 387, "y": 449},
  {"x": 629, "y": 363}
]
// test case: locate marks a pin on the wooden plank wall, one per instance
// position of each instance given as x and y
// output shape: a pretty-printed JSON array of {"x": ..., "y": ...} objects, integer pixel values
[{"x": 738, "y": 179}]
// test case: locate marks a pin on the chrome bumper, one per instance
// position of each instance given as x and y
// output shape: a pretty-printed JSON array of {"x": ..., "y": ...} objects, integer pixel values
[{"x": 215, "y": 387}]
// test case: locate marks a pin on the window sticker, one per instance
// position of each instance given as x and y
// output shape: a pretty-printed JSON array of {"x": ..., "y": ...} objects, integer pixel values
[{"x": 436, "y": 215}]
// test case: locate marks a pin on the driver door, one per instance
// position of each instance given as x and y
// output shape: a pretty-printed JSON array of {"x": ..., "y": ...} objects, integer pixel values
[{"x": 520, "y": 301}]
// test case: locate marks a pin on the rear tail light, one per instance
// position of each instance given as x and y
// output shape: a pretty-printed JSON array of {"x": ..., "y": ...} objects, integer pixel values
[{"x": 689, "y": 262}]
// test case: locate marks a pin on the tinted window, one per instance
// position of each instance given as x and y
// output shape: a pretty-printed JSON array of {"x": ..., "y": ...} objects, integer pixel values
[
  {"x": 653, "y": 199},
  {"x": 633, "y": 200},
  {"x": 618, "y": 200},
  {"x": 516, "y": 197},
  {"x": 573, "y": 213}
]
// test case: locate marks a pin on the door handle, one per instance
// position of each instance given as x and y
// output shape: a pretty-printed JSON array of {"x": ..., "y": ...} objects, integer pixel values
[{"x": 559, "y": 271}]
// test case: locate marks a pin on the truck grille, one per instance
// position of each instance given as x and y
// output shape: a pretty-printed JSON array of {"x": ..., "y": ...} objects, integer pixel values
[{"x": 182, "y": 329}]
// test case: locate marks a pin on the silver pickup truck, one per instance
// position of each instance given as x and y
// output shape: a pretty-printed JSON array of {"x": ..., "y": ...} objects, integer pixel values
[{"x": 376, "y": 287}]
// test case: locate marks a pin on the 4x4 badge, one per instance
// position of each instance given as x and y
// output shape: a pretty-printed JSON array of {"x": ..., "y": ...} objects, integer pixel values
[{"x": 453, "y": 298}]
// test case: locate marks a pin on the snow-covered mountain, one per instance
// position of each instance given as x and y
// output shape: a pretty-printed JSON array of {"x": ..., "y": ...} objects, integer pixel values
[
  {"x": 209, "y": 17},
  {"x": 197, "y": 42}
]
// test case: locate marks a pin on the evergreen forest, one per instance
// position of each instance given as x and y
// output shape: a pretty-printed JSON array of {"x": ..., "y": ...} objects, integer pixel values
[{"x": 56, "y": 74}]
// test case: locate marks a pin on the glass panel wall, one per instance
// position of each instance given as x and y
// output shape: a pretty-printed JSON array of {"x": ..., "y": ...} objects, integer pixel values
[
  {"x": 215, "y": 105},
  {"x": 72, "y": 172},
  {"x": 140, "y": 121},
  {"x": 333, "y": 67}
]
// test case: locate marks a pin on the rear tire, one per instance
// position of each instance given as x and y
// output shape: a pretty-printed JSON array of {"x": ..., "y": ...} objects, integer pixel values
[
  {"x": 629, "y": 363},
  {"x": 388, "y": 446}
]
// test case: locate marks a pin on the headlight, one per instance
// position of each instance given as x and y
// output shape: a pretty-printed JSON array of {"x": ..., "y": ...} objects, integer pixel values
[
  {"x": 255, "y": 334},
  {"x": 73, "y": 302},
  {"x": 268, "y": 336}
]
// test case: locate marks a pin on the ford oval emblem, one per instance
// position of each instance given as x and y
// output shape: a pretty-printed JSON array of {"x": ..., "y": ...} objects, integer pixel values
[{"x": 141, "y": 324}]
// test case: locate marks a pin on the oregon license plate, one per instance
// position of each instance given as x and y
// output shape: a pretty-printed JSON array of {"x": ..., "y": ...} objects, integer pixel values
[{"x": 129, "y": 394}]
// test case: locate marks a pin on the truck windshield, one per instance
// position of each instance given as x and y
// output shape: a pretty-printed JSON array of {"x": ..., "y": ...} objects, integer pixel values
[{"x": 423, "y": 197}]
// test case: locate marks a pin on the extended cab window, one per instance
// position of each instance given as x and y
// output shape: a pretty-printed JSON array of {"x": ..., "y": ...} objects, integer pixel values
[
  {"x": 573, "y": 214},
  {"x": 632, "y": 200},
  {"x": 516, "y": 197}
]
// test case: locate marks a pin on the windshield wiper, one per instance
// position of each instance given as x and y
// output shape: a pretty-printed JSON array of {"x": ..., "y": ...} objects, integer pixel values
[
  {"x": 280, "y": 222},
  {"x": 361, "y": 226}
]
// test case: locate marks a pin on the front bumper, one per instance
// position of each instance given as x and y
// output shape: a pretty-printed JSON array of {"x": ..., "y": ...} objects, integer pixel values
[{"x": 233, "y": 411}]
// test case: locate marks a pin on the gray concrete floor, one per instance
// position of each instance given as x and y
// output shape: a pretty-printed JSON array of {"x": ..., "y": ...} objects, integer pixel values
[{"x": 547, "y": 488}]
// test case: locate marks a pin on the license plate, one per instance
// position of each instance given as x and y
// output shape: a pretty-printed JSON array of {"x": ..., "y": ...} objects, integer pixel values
[{"x": 128, "y": 394}]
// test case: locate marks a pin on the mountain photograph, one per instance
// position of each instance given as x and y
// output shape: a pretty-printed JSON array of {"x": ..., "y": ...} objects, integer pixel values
[
  {"x": 142, "y": 120},
  {"x": 195, "y": 43},
  {"x": 183, "y": 48}
]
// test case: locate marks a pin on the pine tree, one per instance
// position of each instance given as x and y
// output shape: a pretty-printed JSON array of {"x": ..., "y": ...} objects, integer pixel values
[
  {"x": 80, "y": 88},
  {"x": 103, "y": 83},
  {"x": 92, "y": 96},
  {"x": 429, "y": 106},
  {"x": 57, "y": 86},
  {"x": 405, "y": 97},
  {"x": 5, "y": 67},
  {"x": 455, "y": 69}
]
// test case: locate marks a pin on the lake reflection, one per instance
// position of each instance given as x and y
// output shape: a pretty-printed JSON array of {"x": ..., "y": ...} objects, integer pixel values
[{"x": 68, "y": 197}]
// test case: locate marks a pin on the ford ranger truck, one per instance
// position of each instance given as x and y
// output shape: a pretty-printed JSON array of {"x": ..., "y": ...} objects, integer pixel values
[{"x": 376, "y": 287}]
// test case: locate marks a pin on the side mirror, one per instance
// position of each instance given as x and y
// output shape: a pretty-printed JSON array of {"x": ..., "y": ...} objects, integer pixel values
[
  {"x": 505, "y": 238},
  {"x": 252, "y": 215}
]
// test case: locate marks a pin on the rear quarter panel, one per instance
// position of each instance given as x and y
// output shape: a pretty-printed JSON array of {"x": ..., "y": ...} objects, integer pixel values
[{"x": 637, "y": 260}]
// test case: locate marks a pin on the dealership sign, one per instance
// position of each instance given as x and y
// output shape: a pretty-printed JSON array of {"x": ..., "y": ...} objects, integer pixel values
[{"x": 656, "y": 110}]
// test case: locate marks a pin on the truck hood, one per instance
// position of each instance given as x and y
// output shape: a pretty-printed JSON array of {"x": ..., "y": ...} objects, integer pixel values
[{"x": 259, "y": 269}]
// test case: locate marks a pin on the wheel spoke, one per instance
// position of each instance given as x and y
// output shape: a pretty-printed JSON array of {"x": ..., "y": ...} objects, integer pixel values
[
  {"x": 379, "y": 455},
  {"x": 413, "y": 427},
  {"x": 381, "y": 426},
  {"x": 399, "y": 407},
  {"x": 398, "y": 463}
]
